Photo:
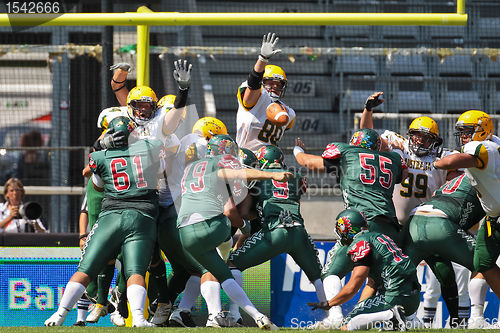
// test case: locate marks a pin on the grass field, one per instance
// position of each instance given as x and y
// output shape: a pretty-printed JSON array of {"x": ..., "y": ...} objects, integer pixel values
[{"x": 71, "y": 329}]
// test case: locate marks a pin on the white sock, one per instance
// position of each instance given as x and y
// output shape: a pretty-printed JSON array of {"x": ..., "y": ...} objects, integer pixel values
[
  {"x": 191, "y": 293},
  {"x": 236, "y": 293},
  {"x": 233, "y": 307},
  {"x": 477, "y": 291},
  {"x": 82, "y": 309},
  {"x": 136, "y": 296},
  {"x": 332, "y": 286},
  {"x": 72, "y": 292},
  {"x": 320, "y": 291},
  {"x": 210, "y": 290},
  {"x": 367, "y": 320}
]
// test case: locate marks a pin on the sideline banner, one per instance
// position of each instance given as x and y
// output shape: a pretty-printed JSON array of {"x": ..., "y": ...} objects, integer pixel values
[
  {"x": 32, "y": 281},
  {"x": 291, "y": 290}
]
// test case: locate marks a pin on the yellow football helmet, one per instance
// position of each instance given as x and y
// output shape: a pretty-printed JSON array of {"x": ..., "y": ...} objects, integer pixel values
[
  {"x": 474, "y": 124},
  {"x": 277, "y": 74},
  {"x": 209, "y": 126},
  {"x": 167, "y": 100},
  {"x": 142, "y": 104},
  {"x": 423, "y": 135}
]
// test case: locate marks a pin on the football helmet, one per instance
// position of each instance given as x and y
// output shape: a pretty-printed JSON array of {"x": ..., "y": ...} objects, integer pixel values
[
  {"x": 274, "y": 81},
  {"x": 348, "y": 224},
  {"x": 209, "y": 126},
  {"x": 475, "y": 125},
  {"x": 423, "y": 136},
  {"x": 142, "y": 104},
  {"x": 221, "y": 145},
  {"x": 167, "y": 100},
  {"x": 247, "y": 158},
  {"x": 123, "y": 124},
  {"x": 366, "y": 138},
  {"x": 270, "y": 157}
]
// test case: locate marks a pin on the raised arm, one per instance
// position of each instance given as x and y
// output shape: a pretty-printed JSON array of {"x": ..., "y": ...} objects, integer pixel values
[
  {"x": 118, "y": 81},
  {"x": 372, "y": 101},
  {"x": 267, "y": 50},
  {"x": 182, "y": 75},
  {"x": 457, "y": 161}
]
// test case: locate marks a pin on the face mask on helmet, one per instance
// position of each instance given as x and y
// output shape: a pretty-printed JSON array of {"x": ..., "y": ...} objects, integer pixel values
[
  {"x": 208, "y": 127},
  {"x": 422, "y": 143},
  {"x": 348, "y": 224},
  {"x": 366, "y": 138},
  {"x": 473, "y": 125},
  {"x": 270, "y": 157},
  {"x": 423, "y": 136},
  {"x": 274, "y": 81},
  {"x": 221, "y": 145},
  {"x": 142, "y": 104}
]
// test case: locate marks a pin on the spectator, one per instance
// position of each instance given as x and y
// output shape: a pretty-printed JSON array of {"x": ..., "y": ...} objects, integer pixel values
[
  {"x": 33, "y": 165},
  {"x": 10, "y": 217}
]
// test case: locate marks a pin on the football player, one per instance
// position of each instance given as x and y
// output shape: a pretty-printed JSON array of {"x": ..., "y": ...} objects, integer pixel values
[
  {"x": 480, "y": 156},
  {"x": 282, "y": 224},
  {"x": 265, "y": 84},
  {"x": 202, "y": 224},
  {"x": 376, "y": 256},
  {"x": 127, "y": 221},
  {"x": 419, "y": 149},
  {"x": 367, "y": 180}
]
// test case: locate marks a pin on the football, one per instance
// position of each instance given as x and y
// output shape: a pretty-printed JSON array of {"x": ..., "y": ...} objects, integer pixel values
[{"x": 277, "y": 114}]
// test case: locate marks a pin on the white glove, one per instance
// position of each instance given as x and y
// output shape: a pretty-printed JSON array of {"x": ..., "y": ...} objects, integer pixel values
[
  {"x": 182, "y": 73},
  {"x": 267, "y": 50},
  {"x": 124, "y": 66}
]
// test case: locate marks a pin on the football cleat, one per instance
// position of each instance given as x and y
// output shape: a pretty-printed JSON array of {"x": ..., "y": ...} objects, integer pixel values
[
  {"x": 478, "y": 323},
  {"x": 161, "y": 314},
  {"x": 55, "y": 320},
  {"x": 265, "y": 323},
  {"x": 97, "y": 312},
  {"x": 141, "y": 322},
  {"x": 79, "y": 323},
  {"x": 398, "y": 319},
  {"x": 181, "y": 318},
  {"x": 234, "y": 319},
  {"x": 117, "y": 319},
  {"x": 218, "y": 320}
]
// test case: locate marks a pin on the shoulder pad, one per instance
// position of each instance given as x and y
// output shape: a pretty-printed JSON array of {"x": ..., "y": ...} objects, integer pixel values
[
  {"x": 331, "y": 152},
  {"x": 360, "y": 250}
]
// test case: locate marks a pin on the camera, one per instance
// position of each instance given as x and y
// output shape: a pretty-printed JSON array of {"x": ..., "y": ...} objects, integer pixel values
[{"x": 30, "y": 210}]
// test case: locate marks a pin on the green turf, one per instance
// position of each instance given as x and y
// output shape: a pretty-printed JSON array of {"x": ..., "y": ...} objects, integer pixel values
[{"x": 173, "y": 330}]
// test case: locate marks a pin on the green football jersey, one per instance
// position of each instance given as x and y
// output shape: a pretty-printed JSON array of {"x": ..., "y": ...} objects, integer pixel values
[
  {"x": 204, "y": 194},
  {"x": 390, "y": 268},
  {"x": 130, "y": 175},
  {"x": 278, "y": 202},
  {"x": 458, "y": 199},
  {"x": 367, "y": 178}
]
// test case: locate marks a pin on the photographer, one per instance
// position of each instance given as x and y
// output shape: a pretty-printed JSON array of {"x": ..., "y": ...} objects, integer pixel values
[{"x": 15, "y": 218}]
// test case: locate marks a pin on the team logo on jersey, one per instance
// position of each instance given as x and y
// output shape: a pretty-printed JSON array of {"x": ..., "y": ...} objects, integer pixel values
[
  {"x": 360, "y": 250},
  {"x": 331, "y": 151}
]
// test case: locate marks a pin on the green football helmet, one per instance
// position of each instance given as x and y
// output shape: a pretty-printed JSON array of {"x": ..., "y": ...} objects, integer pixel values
[
  {"x": 366, "y": 138},
  {"x": 248, "y": 158},
  {"x": 221, "y": 145},
  {"x": 348, "y": 224},
  {"x": 270, "y": 157},
  {"x": 123, "y": 124}
]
